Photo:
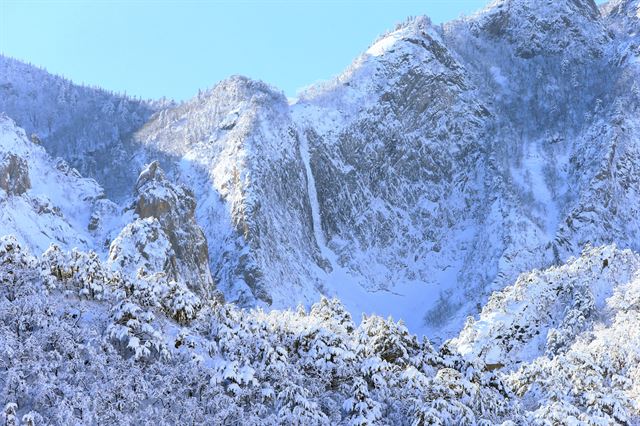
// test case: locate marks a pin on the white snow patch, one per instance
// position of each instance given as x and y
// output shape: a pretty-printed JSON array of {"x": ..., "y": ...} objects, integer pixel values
[
  {"x": 383, "y": 45},
  {"x": 499, "y": 78},
  {"x": 530, "y": 177}
]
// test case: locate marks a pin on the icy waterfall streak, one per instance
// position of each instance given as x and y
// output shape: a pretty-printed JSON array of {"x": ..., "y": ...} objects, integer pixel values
[{"x": 313, "y": 197}]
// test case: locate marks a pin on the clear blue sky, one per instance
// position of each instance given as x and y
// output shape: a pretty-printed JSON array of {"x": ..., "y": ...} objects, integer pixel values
[{"x": 172, "y": 48}]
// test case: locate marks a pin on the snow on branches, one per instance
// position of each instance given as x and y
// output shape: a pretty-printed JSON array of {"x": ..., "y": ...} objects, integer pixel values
[{"x": 84, "y": 344}]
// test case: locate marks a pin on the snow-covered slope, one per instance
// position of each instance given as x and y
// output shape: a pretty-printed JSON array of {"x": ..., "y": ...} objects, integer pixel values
[
  {"x": 566, "y": 339},
  {"x": 89, "y": 127},
  {"x": 545, "y": 311},
  {"x": 54, "y": 204}
]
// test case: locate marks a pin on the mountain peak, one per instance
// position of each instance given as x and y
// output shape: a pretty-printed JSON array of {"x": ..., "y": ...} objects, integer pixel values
[
  {"x": 543, "y": 7},
  {"x": 239, "y": 88},
  {"x": 544, "y": 27},
  {"x": 410, "y": 28}
]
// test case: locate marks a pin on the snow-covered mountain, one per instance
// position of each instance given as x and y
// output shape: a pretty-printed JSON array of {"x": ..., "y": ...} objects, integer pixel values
[
  {"x": 478, "y": 180},
  {"x": 445, "y": 161}
]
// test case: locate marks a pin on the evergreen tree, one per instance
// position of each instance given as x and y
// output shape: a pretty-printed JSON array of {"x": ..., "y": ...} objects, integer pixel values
[{"x": 360, "y": 409}]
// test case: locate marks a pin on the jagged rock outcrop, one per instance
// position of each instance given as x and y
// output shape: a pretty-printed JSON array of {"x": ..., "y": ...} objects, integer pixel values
[
  {"x": 165, "y": 236},
  {"x": 14, "y": 174}
]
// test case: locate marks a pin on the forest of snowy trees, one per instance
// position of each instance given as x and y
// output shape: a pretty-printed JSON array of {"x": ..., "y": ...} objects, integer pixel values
[{"x": 84, "y": 345}]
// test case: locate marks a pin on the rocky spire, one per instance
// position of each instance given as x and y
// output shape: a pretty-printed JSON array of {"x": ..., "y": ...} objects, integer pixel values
[{"x": 166, "y": 212}]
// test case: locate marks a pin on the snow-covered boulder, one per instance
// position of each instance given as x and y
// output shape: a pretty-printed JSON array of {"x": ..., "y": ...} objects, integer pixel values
[{"x": 143, "y": 246}]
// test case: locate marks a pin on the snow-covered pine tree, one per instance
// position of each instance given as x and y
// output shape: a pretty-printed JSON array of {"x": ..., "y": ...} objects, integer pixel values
[
  {"x": 360, "y": 409},
  {"x": 132, "y": 330},
  {"x": 295, "y": 407}
]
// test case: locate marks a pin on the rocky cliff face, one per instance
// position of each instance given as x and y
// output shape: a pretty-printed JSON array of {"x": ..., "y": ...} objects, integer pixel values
[
  {"x": 14, "y": 174},
  {"x": 164, "y": 237},
  {"x": 240, "y": 154}
]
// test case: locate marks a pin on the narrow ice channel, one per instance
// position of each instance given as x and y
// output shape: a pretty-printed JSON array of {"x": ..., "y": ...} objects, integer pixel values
[{"x": 313, "y": 196}]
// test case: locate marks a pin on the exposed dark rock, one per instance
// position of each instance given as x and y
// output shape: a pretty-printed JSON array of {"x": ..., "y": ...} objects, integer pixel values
[{"x": 14, "y": 174}]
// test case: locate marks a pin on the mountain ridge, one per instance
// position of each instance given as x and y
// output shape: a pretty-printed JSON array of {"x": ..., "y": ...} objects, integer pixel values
[{"x": 379, "y": 144}]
